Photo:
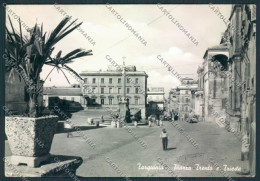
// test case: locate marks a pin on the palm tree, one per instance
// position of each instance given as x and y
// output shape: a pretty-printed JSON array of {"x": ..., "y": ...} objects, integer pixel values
[{"x": 27, "y": 55}]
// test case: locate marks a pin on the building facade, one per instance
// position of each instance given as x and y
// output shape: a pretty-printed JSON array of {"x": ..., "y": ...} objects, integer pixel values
[
  {"x": 228, "y": 75},
  {"x": 173, "y": 103},
  {"x": 243, "y": 61},
  {"x": 155, "y": 101},
  {"x": 214, "y": 80},
  {"x": 66, "y": 98},
  {"x": 104, "y": 88},
  {"x": 182, "y": 99},
  {"x": 156, "y": 95},
  {"x": 199, "y": 96}
]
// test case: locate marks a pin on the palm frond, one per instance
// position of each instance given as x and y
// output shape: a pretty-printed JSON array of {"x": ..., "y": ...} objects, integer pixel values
[
  {"x": 72, "y": 53},
  {"x": 56, "y": 31},
  {"x": 12, "y": 27},
  {"x": 65, "y": 76},
  {"x": 79, "y": 55},
  {"x": 69, "y": 25},
  {"x": 72, "y": 71},
  {"x": 57, "y": 39},
  {"x": 21, "y": 34}
]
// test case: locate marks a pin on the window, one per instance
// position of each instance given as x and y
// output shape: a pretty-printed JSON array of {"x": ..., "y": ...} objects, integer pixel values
[
  {"x": 102, "y": 101},
  {"x": 136, "y": 101},
  {"x": 102, "y": 80},
  {"x": 94, "y": 90},
  {"x": 136, "y": 80},
  {"x": 186, "y": 92},
  {"x": 136, "y": 90},
  {"x": 119, "y": 90},
  {"x": 187, "y": 100},
  {"x": 110, "y": 101},
  {"x": 128, "y": 80},
  {"x": 94, "y": 80},
  {"x": 186, "y": 109},
  {"x": 85, "y": 80},
  {"x": 119, "y": 80},
  {"x": 110, "y": 90},
  {"x": 72, "y": 99},
  {"x": 102, "y": 90},
  {"x": 94, "y": 100},
  {"x": 110, "y": 80},
  {"x": 127, "y": 90}
]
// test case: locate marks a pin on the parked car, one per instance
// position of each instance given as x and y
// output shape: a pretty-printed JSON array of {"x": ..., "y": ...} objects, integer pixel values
[{"x": 193, "y": 119}]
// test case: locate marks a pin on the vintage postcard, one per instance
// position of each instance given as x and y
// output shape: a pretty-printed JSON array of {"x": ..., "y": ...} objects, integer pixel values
[{"x": 130, "y": 90}]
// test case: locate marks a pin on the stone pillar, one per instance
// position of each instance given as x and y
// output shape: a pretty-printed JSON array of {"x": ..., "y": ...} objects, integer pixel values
[
  {"x": 244, "y": 116},
  {"x": 124, "y": 111}
]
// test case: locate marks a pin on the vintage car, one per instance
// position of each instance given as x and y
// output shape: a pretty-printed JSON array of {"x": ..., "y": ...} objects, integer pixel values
[{"x": 193, "y": 119}]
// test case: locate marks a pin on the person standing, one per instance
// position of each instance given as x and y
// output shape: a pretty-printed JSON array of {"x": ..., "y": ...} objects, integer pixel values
[
  {"x": 161, "y": 123},
  {"x": 102, "y": 118},
  {"x": 176, "y": 117},
  {"x": 164, "y": 137},
  {"x": 157, "y": 122},
  {"x": 68, "y": 128},
  {"x": 149, "y": 121},
  {"x": 135, "y": 123}
]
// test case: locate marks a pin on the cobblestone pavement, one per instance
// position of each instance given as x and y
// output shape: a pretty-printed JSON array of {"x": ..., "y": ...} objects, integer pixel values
[{"x": 133, "y": 160}]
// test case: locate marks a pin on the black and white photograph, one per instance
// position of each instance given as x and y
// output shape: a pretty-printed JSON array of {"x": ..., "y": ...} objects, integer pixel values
[{"x": 129, "y": 90}]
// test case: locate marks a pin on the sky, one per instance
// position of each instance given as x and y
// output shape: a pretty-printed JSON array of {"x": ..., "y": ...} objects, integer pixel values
[{"x": 112, "y": 38}]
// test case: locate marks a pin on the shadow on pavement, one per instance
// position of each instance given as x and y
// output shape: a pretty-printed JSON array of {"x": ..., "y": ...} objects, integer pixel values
[
  {"x": 171, "y": 148},
  {"x": 78, "y": 128}
]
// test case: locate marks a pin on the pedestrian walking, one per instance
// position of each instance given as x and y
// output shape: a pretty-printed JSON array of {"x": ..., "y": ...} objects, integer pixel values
[
  {"x": 176, "y": 117},
  {"x": 157, "y": 122},
  {"x": 68, "y": 128},
  {"x": 135, "y": 123},
  {"x": 150, "y": 123},
  {"x": 161, "y": 123},
  {"x": 164, "y": 137}
]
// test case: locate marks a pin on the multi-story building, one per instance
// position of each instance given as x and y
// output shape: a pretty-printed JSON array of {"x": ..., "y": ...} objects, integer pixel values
[
  {"x": 234, "y": 82},
  {"x": 181, "y": 98},
  {"x": 243, "y": 63},
  {"x": 214, "y": 81},
  {"x": 173, "y": 103},
  {"x": 199, "y": 103},
  {"x": 105, "y": 88}
]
